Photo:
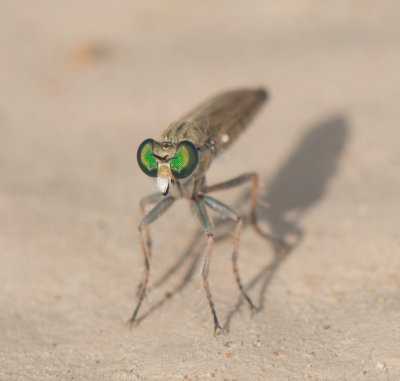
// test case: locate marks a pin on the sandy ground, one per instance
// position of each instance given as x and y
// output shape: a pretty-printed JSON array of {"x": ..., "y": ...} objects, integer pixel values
[{"x": 82, "y": 83}]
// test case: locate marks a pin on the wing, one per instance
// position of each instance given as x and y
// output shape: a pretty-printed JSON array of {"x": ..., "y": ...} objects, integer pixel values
[{"x": 226, "y": 115}]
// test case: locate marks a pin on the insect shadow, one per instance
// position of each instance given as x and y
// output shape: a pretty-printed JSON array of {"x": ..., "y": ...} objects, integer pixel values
[{"x": 297, "y": 185}]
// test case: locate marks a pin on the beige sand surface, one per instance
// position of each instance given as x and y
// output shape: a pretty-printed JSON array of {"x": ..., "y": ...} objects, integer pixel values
[{"x": 82, "y": 83}]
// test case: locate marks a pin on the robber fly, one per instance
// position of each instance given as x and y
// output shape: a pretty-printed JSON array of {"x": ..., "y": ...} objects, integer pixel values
[{"x": 179, "y": 161}]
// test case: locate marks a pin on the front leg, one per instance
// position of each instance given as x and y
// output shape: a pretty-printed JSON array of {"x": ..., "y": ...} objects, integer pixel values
[
  {"x": 154, "y": 213},
  {"x": 202, "y": 215},
  {"x": 145, "y": 201},
  {"x": 227, "y": 211}
]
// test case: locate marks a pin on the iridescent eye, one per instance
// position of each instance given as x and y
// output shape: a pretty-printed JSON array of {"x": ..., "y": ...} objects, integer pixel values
[
  {"x": 185, "y": 160},
  {"x": 146, "y": 160}
]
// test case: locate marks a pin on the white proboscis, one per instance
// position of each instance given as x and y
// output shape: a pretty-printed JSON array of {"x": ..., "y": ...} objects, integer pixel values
[{"x": 163, "y": 184}]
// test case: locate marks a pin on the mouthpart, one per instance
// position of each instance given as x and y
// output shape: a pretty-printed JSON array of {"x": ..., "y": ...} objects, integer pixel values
[{"x": 163, "y": 185}]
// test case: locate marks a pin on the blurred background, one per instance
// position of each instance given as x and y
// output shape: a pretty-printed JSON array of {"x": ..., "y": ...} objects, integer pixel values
[
  {"x": 80, "y": 76},
  {"x": 82, "y": 83}
]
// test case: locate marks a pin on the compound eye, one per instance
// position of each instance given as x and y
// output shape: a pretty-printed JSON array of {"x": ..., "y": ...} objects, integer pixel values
[
  {"x": 185, "y": 160},
  {"x": 146, "y": 160}
]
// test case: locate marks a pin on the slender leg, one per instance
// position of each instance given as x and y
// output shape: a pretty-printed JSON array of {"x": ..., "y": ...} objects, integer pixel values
[
  {"x": 154, "y": 213},
  {"x": 145, "y": 201},
  {"x": 229, "y": 212},
  {"x": 279, "y": 246},
  {"x": 202, "y": 215},
  {"x": 148, "y": 200}
]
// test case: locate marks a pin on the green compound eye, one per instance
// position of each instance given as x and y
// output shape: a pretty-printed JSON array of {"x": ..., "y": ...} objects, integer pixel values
[
  {"x": 147, "y": 162},
  {"x": 185, "y": 160}
]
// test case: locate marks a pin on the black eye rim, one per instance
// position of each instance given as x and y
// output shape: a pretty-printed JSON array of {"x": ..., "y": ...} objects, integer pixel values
[
  {"x": 152, "y": 173},
  {"x": 195, "y": 151}
]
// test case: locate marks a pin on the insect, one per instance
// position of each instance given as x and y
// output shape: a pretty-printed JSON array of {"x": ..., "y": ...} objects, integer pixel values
[{"x": 179, "y": 162}]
